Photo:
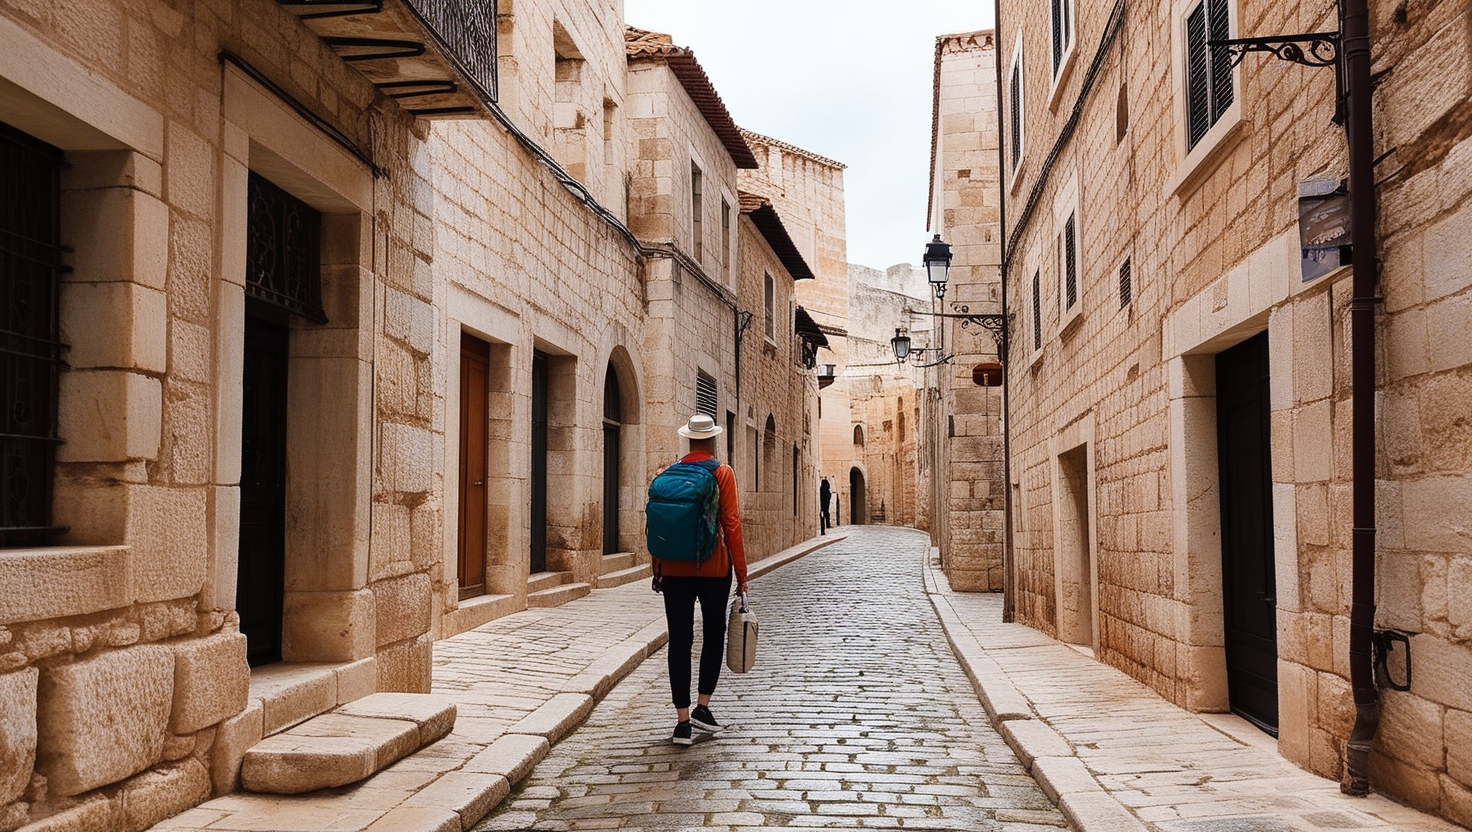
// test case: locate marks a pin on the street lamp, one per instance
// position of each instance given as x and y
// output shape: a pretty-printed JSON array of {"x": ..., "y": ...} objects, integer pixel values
[
  {"x": 900, "y": 343},
  {"x": 903, "y": 349},
  {"x": 937, "y": 262}
]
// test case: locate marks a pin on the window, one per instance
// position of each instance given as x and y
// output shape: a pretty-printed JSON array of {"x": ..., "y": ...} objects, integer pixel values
[
  {"x": 795, "y": 460},
  {"x": 769, "y": 303},
  {"x": 1062, "y": 26},
  {"x": 1037, "y": 311},
  {"x": 1208, "y": 72},
  {"x": 705, "y": 394},
  {"x": 769, "y": 450},
  {"x": 30, "y": 263},
  {"x": 1126, "y": 290},
  {"x": 859, "y": 435},
  {"x": 1014, "y": 107},
  {"x": 726, "y": 239},
  {"x": 1068, "y": 264},
  {"x": 697, "y": 210},
  {"x": 1121, "y": 113}
]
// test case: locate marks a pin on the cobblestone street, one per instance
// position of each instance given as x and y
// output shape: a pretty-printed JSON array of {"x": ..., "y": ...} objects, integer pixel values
[{"x": 856, "y": 715}]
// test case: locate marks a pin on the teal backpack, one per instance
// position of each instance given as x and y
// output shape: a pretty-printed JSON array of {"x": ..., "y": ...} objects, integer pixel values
[{"x": 682, "y": 517}]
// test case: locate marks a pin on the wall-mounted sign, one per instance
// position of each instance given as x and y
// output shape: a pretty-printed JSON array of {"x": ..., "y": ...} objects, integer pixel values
[{"x": 1323, "y": 226}]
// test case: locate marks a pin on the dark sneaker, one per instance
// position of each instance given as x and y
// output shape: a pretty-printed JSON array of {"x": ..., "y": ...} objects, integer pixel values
[
  {"x": 702, "y": 718},
  {"x": 682, "y": 733}
]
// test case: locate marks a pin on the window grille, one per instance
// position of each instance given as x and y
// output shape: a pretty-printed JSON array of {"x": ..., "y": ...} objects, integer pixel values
[
  {"x": 1014, "y": 110},
  {"x": 705, "y": 394},
  {"x": 30, "y": 353},
  {"x": 1126, "y": 290},
  {"x": 283, "y": 250},
  {"x": 1070, "y": 262},
  {"x": 1208, "y": 73},
  {"x": 1037, "y": 311}
]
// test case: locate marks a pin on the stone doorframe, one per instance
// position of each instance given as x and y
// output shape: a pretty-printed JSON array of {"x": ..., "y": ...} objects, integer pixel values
[
  {"x": 1239, "y": 304},
  {"x": 632, "y": 458},
  {"x": 1075, "y": 441},
  {"x": 506, "y": 528},
  {"x": 329, "y": 610}
]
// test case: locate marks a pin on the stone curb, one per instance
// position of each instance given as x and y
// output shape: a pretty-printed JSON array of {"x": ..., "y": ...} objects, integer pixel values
[{"x": 1043, "y": 752}]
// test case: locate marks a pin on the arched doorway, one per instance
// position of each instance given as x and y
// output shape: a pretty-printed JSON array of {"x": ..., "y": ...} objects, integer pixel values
[
  {"x": 858, "y": 509},
  {"x": 612, "y": 427}
]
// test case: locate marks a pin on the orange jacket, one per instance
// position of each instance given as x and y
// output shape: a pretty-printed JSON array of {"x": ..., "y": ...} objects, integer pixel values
[{"x": 729, "y": 549}]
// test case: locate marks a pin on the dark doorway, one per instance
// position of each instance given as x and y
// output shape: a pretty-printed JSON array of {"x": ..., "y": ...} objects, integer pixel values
[
  {"x": 612, "y": 424},
  {"x": 1249, "y": 602},
  {"x": 858, "y": 511},
  {"x": 260, "y": 585},
  {"x": 475, "y": 371},
  {"x": 539, "y": 463}
]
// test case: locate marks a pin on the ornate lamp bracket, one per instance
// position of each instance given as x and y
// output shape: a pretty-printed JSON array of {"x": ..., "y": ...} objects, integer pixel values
[
  {"x": 1312, "y": 49},
  {"x": 994, "y": 325}
]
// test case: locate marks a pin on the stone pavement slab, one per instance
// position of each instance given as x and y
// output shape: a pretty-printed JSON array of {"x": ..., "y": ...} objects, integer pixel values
[
  {"x": 519, "y": 683},
  {"x": 1114, "y": 755},
  {"x": 856, "y": 715}
]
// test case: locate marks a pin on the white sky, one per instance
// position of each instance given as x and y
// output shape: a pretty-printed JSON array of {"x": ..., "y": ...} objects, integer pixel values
[{"x": 846, "y": 79}]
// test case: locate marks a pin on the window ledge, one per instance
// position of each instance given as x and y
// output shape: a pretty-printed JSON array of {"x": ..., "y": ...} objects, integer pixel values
[
  {"x": 1208, "y": 153},
  {"x": 57, "y": 581},
  {"x": 1060, "y": 78},
  {"x": 1017, "y": 170},
  {"x": 1070, "y": 319}
]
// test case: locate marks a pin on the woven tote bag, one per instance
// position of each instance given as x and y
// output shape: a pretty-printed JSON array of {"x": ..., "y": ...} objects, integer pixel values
[{"x": 741, "y": 632}]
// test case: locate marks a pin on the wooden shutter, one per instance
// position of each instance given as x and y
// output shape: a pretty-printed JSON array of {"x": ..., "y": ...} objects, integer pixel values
[
  {"x": 1057, "y": 6},
  {"x": 1219, "y": 28},
  {"x": 1014, "y": 110},
  {"x": 1037, "y": 311},
  {"x": 705, "y": 395},
  {"x": 1070, "y": 262},
  {"x": 1198, "y": 77}
]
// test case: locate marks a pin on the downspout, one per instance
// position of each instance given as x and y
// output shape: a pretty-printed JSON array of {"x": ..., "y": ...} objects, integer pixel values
[
  {"x": 1355, "y": 43},
  {"x": 1009, "y": 582}
]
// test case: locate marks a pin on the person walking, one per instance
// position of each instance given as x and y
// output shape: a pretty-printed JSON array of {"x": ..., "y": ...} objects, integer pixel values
[
  {"x": 825, "y": 493},
  {"x": 709, "y": 582}
]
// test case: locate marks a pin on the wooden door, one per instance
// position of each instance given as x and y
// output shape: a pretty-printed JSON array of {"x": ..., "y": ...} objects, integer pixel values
[
  {"x": 1249, "y": 602},
  {"x": 475, "y": 369},
  {"x": 539, "y": 464},
  {"x": 261, "y": 567}
]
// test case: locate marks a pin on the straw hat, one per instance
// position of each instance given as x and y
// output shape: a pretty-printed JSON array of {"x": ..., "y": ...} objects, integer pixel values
[{"x": 701, "y": 426}]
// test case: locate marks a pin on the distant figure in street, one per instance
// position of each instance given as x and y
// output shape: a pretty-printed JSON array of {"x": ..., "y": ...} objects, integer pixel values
[
  {"x": 825, "y": 493},
  {"x": 683, "y": 582}
]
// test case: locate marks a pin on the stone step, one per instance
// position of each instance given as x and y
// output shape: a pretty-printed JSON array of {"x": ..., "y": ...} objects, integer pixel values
[
  {"x": 557, "y": 596},
  {"x": 618, "y": 562},
  {"x": 348, "y": 744},
  {"x": 625, "y": 576},
  {"x": 547, "y": 580}
]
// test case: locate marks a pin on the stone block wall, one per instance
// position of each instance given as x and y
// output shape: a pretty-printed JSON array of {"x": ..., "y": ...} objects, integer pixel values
[
  {"x": 120, "y": 654},
  {"x": 969, "y": 485},
  {"x": 1212, "y": 239}
]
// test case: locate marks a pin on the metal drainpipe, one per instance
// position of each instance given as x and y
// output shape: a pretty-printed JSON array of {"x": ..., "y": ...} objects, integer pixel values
[
  {"x": 1009, "y": 581},
  {"x": 1355, "y": 43}
]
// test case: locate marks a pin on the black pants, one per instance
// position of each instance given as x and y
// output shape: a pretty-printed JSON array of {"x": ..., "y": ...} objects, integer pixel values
[{"x": 680, "y": 595}]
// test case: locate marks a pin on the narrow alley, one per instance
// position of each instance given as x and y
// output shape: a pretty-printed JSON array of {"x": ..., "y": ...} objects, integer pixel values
[{"x": 857, "y": 713}]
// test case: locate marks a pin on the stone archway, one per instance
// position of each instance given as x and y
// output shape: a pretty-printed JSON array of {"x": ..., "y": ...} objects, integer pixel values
[{"x": 858, "y": 509}]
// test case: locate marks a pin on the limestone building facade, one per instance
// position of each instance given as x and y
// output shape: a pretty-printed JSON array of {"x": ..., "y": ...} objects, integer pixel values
[
  {"x": 318, "y": 353},
  {"x": 1179, "y": 382},
  {"x": 963, "y": 417}
]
